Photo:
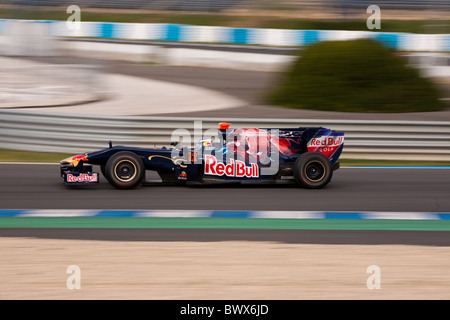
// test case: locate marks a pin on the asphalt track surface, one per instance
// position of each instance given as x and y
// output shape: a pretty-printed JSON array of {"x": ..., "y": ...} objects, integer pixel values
[
  {"x": 38, "y": 186},
  {"x": 362, "y": 237}
]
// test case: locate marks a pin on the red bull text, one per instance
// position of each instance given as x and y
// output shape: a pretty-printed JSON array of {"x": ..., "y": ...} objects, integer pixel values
[{"x": 233, "y": 169}]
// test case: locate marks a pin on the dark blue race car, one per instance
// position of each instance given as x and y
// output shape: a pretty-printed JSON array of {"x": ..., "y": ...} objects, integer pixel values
[{"x": 306, "y": 156}]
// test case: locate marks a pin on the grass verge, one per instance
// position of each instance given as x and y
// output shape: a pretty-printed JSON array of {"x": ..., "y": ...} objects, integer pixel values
[
  {"x": 224, "y": 223},
  {"x": 31, "y": 156}
]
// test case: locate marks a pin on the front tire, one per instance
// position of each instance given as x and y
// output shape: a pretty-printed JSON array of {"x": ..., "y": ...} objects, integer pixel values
[
  {"x": 313, "y": 170},
  {"x": 125, "y": 170}
]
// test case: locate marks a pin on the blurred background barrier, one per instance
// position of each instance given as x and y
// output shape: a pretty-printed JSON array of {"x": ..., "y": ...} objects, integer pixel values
[
  {"x": 160, "y": 53},
  {"x": 51, "y": 132},
  {"x": 229, "y": 35}
]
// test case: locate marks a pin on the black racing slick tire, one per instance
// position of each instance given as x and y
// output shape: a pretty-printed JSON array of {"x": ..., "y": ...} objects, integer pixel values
[
  {"x": 313, "y": 170},
  {"x": 125, "y": 170},
  {"x": 103, "y": 170}
]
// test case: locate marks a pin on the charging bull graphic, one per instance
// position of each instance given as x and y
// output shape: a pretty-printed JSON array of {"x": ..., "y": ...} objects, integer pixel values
[{"x": 260, "y": 145}]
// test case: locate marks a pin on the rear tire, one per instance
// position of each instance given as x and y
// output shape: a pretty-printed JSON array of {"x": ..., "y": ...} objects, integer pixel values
[
  {"x": 313, "y": 170},
  {"x": 125, "y": 170}
]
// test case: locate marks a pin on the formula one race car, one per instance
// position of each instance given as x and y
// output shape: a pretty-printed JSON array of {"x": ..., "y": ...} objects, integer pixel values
[{"x": 306, "y": 156}]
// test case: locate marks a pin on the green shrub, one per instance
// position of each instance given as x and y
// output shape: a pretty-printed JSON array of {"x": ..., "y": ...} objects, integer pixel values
[{"x": 355, "y": 76}]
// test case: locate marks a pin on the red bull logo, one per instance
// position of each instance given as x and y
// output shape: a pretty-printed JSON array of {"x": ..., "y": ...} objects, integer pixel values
[
  {"x": 327, "y": 145},
  {"x": 326, "y": 141},
  {"x": 233, "y": 169},
  {"x": 83, "y": 177},
  {"x": 182, "y": 176}
]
